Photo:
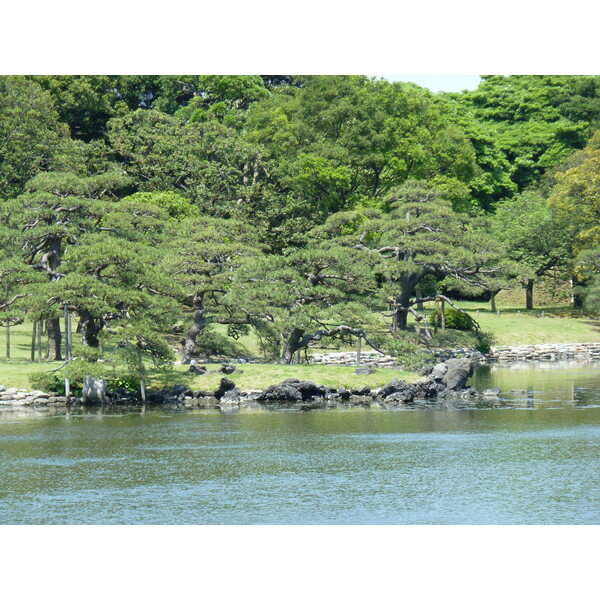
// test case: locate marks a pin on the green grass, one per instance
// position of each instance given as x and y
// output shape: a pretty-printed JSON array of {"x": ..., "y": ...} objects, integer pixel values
[
  {"x": 516, "y": 326},
  {"x": 260, "y": 376}
]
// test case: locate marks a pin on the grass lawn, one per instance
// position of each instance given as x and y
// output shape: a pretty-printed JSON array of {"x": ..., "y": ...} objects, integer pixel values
[
  {"x": 260, "y": 376},
  {"x": 515, "y": 326}
]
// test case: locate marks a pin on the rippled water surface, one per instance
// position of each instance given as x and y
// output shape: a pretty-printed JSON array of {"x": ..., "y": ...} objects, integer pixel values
[{"x": 530, "y": 457}]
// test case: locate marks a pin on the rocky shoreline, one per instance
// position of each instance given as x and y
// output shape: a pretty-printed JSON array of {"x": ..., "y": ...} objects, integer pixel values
[{"x": 446, "y": 381}]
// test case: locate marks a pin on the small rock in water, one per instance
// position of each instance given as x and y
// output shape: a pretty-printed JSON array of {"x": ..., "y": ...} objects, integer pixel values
[{"x": 495, "y": 391}]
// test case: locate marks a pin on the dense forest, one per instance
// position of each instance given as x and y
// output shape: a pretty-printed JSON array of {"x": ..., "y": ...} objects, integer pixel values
[{"x": 296, "y": 207}]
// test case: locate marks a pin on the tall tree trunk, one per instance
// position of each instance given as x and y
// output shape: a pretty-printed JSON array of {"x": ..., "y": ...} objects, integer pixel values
[
  {"x": 529, "y": 294},
  {"x": 54, "y": 339},
  {"x": 493, "y": 301},
  {"x": 291, "y": 345},
  {"x": 200, "y": 322},
  {"x": 400, "y": 319},
  {"x": 90, "y": 327}
]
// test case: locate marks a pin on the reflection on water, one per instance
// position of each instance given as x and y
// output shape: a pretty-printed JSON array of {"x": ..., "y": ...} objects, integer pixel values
[
  {"x": 530, "y": 456},
  {"x": 545, "y": 384}
]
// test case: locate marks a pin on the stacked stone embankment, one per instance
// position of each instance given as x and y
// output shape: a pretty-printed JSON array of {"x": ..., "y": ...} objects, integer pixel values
[
  {"x": 533, "y": 352},
  {"x": 349, "y": 359},
  {"x": 21, "y": 397},
  {"x": 546, "y": 352}
]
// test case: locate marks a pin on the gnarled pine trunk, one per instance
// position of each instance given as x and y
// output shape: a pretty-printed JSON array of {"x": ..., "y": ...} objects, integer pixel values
[
  {"x": 54, "y": 339},
  {"x": 90, "y": 327},
  {"x": 292, "y": 344},
  {"x": 200, "y": 322}
]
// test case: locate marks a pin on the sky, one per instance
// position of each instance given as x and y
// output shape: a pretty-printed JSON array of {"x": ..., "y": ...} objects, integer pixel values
[{"x": 440, "y": 83}]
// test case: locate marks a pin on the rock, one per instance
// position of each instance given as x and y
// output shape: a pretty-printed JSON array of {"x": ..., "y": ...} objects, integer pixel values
[
  {"x": 227, "y": 369},
  {"x": 343, "y": 393},
  {"x": 425, "y": 370},
  {"x": 308, "y": 389},
  {"x": 225, "y": 386},
  {"x": 405, "y": 396},
  {"x": 206, "y": 402},
  {"x": 363, "y": 391},
  {"x": 458, "y": 372},
  {"x": 395, "y": 386},
  {"x": 197, "y": 370},
  {"x": 495, "y": 391},
  {"x": 366, "y": 370},
  {"x": 438, "y": 371},
  {"x": 281, "y": 393},
  {"x": 94, "y": 390},
  {"x": 231, "y": 397}
]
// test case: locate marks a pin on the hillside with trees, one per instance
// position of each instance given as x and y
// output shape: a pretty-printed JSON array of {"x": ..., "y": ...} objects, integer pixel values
[{"x": 295, "y": 209}]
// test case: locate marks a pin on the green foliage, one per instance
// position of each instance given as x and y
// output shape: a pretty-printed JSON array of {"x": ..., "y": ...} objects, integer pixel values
[
  {"x": 32, "y": 138},
  {"x": 485, "y": 341},
  {"x": 409, "y": 349},
  {"x": 213, "y": 343},
  {"x": 456, "y": 320},
  {"x": 177, "y": 206},
  {"x": 535, "y": 120}
]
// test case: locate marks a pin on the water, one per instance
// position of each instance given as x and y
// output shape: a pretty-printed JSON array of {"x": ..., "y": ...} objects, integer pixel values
[{"x": 530, "y": 458}]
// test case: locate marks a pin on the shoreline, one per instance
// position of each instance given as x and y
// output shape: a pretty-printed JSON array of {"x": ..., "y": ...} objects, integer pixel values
[{"x": 437, "y": 385}]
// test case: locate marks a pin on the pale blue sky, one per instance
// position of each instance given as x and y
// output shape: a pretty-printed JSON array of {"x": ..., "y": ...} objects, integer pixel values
[{"x": 440, "y": 83}]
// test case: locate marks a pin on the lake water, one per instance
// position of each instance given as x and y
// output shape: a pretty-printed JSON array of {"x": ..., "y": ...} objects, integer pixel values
[{"x": 532, "y": 457}]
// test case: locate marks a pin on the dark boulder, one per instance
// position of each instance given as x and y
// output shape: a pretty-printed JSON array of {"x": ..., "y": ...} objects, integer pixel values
[
  {"x": 404, "y": 397},
  {"x": 394, "y": 386},
  {"x": 458, "y": 372},
  {"x": 225, "y": 386},
  {"x": 280, "y": 393},
  {"x": 363, "y": 391},
  {"x": 308, "y": 389},
  {"x": 366, "y": 370},
  {"x": 230, "y": 397}
]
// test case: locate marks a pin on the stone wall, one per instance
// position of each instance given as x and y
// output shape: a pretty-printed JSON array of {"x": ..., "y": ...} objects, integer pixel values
[
  {"x": 20, "y": 397},
  {"x": 349, "y": 359},
  {"x": 541, "y": 352},
  {"x": 546, "y": 352}
]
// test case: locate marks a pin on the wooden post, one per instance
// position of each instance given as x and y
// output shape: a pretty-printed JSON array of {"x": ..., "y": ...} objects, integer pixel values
[
  {"x": 299, "y": 355},
  {"x": 39, "y": 340},
  {"x": 33, "y": 341},
  {"x": 7, "y": 338},
  {"x": 67, "y": 351},
  {"x": 435, "y": 319},
  {"x": 443, "y": 316},
  {"x": 7, "y": 328},
  {"x": 358, "y": 349},
  {"x": 141, "y": 370}
]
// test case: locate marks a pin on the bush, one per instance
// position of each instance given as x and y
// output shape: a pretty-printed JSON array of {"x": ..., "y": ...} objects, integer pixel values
[
  {"x": 456, "y": 320},
  {"x": 408, "y": 349},
  {"x": 485, "y": 341}
]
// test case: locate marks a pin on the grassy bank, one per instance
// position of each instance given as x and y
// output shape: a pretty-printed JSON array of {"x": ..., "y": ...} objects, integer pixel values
[{"x": 513, "y": 326}]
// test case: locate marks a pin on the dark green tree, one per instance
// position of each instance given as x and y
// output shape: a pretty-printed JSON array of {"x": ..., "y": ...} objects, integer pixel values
[{"x": 417, "y": 235}]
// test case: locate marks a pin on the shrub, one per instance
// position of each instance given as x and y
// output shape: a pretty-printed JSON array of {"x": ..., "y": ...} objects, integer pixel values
[
  {"x": 408, "y": 349},
  {"x": 456, "y": 320},
  {"x": 485, "y": 341}
]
